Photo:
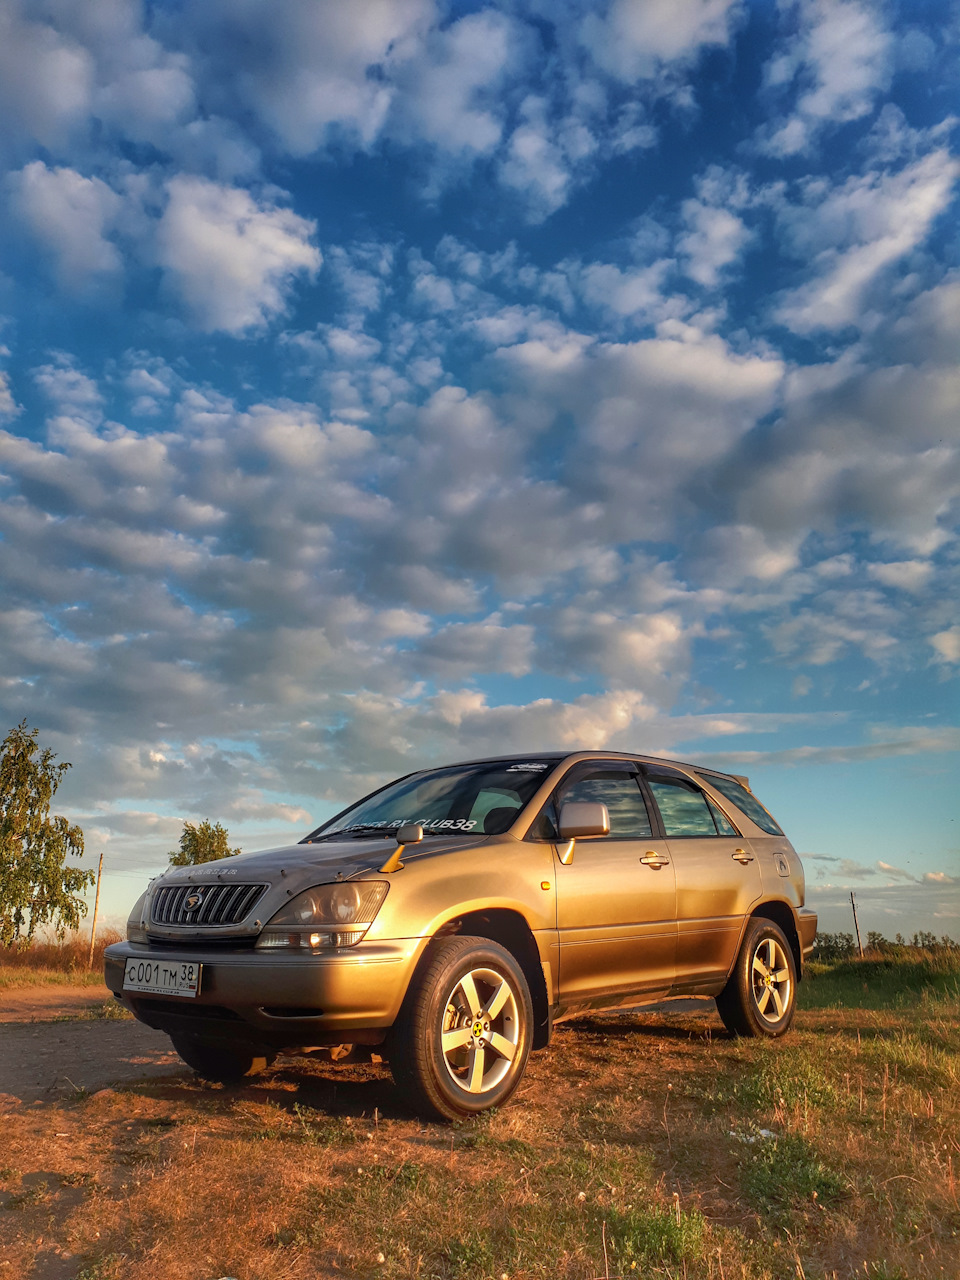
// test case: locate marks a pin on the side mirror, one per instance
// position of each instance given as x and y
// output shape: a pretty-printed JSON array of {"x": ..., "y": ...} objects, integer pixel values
[
  {"x": 580, "y": 818},
  {"x": 583, "y": 818},
  {"x": 409, "y": 833}
]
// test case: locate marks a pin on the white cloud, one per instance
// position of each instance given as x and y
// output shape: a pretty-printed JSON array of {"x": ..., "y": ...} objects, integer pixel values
[
  {"x": 450, "y": 90},
  {"x": 230, "y": 260},
  {"x": 466, "y": 649},
  {"x": 71, "y": 217},
  {"x": 857, "y": 231},
  {"x": 8, "y": 405},
  {"x": 907, "y": 575},
  {"x": 894, "y": 873},
  {"x": 636, "y": 293},
  {"x": 316, "y": 69},
  {"x": 714, "y": 240},
  {"x": 906, "y": 741},
  {"x": 46, "y": 77},
  {"x": 838, "y": 62},
  {"x": 535, "y": 163},
  {"x": 947, "y": 644},
  {"x": 632, "y": 41}
]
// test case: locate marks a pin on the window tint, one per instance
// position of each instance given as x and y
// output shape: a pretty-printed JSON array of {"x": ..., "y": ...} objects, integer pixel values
[
  {"x": 621, "y": 793},
  {"x": 494, "y": 810},
  {"x": 724, "y": 825},
  {"x": 683, "y": 807},
  {"x": 453, "y": 801},
  {"x": 545, "y": 825},
  {"x": 744, "y": 801}
]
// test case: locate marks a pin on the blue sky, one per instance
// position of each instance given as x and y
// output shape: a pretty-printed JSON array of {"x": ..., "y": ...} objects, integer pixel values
[{"x": 397, "y": 382}]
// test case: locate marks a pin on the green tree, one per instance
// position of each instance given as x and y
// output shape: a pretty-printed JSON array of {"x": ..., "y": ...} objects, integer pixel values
[
  {"x": 36, "y": 885},
  {"x": 202, "y": 842}
]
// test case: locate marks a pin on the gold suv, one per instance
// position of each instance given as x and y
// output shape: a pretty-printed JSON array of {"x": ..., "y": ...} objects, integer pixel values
[{"x": 448, "y": 920}]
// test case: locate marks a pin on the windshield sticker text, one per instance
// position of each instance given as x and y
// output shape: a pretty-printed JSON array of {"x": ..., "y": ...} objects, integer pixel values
[{"x": 431, "y": 824}]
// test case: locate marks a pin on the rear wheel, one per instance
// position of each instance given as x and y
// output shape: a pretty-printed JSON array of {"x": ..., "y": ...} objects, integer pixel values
[
  {"x": 226, "y": 1063},
  {"x": 760, "y": 997},
  {"x": 462, "y": 1039}
]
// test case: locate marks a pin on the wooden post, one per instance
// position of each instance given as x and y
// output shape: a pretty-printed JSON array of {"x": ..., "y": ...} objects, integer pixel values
[
  {"x": 96, "y": 911},
  {"x": 856, "y": 923}
]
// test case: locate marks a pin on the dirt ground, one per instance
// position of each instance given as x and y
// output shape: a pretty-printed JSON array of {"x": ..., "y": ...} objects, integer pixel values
[
  {"x": 40, "y": 1004},
  {"x": 52, "y": 1047}
]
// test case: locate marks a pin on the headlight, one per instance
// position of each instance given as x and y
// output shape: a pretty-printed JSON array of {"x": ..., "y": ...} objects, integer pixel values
[
  {"x": 329, "y": 915},
  {"x": 136, "y": 924}
]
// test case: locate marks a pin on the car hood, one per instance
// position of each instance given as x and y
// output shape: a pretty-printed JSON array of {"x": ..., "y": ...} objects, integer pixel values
[
  {"x": 286, "y": 871},
  {"x": 349, "y": 857}
]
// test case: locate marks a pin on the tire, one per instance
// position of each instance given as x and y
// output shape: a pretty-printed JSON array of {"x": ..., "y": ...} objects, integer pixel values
[
  {"x": 226, "y": 1063},
  {"x": 461, "y": 1042},
  {"x": 761, "y": 993}
]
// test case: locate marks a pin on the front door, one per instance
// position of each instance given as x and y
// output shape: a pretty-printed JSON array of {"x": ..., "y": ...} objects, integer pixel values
[
  {"x": 718, "y": 880},
  {"x": 616, "y": 900}
]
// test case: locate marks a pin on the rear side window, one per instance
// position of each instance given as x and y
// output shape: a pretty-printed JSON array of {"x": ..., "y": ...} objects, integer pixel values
[
  {"x": 744, "y": 801},
  {"x": 683, "y": 807},
  {"x": 724, "y": 825}
]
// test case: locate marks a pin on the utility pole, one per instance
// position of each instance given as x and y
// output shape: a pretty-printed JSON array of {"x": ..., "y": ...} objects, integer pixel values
[
  {"x": 96, "y": 911},
  {"x": 856, "y": 923}
]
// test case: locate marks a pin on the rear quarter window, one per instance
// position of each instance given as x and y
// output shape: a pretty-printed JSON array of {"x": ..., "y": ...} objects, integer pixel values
[{"x": 744, "y": 801}]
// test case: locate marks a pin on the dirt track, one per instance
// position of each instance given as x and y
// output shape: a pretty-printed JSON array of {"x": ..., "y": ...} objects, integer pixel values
[{"x": 50, "y": 1046}]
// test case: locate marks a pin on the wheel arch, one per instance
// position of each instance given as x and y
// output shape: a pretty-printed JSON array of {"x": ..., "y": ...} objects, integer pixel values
[
  {"x": 511, "y": 930},
  {"x": 781, "y": 913}
]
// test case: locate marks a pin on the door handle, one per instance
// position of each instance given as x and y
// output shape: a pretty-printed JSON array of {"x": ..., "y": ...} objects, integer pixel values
[
  {"x": 654, "y": 860},
  {"x": 741, "y": 856}
]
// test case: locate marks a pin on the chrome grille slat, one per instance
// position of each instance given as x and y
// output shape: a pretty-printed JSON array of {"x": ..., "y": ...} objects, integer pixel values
[{"x": 220, "y": 904}]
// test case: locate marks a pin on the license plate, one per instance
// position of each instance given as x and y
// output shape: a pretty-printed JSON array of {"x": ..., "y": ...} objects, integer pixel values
[{"x": 162, "y": 977}]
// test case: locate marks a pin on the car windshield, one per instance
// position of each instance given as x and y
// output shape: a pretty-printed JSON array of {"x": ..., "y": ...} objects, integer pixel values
[{"x": 467, "y": 799}]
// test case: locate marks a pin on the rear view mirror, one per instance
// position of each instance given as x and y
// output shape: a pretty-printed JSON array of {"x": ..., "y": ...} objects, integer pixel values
[{"x": 583, "y": 818}]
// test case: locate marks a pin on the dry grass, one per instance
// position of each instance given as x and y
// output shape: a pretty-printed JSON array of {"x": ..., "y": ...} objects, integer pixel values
[
  {"x": 640, "y": 1145},
  {"x": 56, "y": 962}
]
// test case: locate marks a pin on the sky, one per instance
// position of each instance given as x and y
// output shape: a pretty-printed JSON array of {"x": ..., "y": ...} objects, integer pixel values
[{"x": 402, "y": 382}]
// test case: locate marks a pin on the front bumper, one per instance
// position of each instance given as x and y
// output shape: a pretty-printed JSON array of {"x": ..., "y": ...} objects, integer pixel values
[{"x": 351, "y": 994}]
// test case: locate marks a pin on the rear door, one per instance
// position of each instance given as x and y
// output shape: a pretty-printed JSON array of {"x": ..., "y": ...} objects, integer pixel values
[
  {"x": 616, "y": 900},
  {"x": 717, "y": 875}
]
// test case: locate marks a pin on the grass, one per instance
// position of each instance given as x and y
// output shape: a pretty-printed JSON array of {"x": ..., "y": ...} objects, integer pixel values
[
  {"x": 56, "y": 962},
  {"x": 640, "y": 1144}
]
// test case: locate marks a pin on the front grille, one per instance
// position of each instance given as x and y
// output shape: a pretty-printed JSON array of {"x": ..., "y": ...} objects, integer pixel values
[{"x": 205, "y": 904}]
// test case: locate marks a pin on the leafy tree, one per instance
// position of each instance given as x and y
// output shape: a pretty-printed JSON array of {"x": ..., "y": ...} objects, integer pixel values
[
  {"x": 36, "y": 885},
  {"x": 202, "y": 842},
  {"x": 834, "y": 946}
]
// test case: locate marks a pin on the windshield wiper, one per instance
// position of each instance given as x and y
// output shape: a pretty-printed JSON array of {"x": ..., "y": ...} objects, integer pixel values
[
  {"x": 374, "y": 829},
  {"x": 350, "y": 833}
]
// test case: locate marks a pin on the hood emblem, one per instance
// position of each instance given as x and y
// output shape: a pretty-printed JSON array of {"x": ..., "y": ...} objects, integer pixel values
[{"x": 193, "y": 900}]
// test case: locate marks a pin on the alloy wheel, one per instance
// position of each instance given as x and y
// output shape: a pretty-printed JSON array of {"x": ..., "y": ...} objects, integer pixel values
[
  {"x": 481, "y": 1030},
  {"x": 771, "y": 980}
]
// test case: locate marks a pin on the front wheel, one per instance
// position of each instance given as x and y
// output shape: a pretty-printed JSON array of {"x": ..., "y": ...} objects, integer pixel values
[
  {"x": 462, "y": 1039},
  {"x": 225, "y": 1063},
  {"x": 760, "y": 996}
]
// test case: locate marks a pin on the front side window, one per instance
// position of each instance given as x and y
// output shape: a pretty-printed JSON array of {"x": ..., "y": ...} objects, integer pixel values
[
  {"x": 621, "y": 793},
  {"x": 683, "y": 807},
  {"x": 475, "y": 799}
]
